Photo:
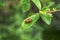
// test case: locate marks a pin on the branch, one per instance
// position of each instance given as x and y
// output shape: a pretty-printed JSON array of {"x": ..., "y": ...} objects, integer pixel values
[{"x": 53, "y": 11}]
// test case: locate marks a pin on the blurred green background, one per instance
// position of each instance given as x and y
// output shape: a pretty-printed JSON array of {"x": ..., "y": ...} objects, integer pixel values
[{"x": 11, "y": 18}]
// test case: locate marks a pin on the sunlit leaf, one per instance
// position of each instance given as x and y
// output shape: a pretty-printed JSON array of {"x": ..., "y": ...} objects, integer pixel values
[
  {"x": 26, "y": 25},
  {"x": 47, "y": 17},
  {"x": 37, "y": 3}
]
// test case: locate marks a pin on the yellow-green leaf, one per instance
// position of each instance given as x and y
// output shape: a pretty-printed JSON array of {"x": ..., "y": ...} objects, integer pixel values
[
  {"x": 34, "y": 18},
  {"x": 37, "y": 3},
  {"x": 47, "y": 17}
]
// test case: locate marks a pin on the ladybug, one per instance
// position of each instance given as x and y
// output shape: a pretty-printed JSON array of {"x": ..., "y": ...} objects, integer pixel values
[{"x": 28, "y": 20}]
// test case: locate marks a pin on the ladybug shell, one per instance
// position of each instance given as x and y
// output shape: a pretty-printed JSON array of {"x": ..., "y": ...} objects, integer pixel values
[{"x": 28, "y": 20}]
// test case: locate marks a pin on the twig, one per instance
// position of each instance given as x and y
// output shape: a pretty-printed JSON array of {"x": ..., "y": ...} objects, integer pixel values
[{"x": 53, "y": 11}]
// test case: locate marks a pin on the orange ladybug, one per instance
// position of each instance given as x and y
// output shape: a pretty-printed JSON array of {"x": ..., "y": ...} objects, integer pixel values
[{"x": 28, "y": 20}]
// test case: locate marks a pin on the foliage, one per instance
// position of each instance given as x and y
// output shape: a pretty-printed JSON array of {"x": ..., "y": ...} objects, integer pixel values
[{"x": 16, "y": 23}]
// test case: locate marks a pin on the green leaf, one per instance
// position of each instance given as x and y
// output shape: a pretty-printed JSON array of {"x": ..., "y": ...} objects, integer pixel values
[
  {"x": 50, "y": 4},
  {"x": 58, "y": 6},
  {"x": 47, "y": 17},
  {"x": 34, "y": 18},
  {"x": 37, "y": 3},
  {"x": 25, "y": 5}
]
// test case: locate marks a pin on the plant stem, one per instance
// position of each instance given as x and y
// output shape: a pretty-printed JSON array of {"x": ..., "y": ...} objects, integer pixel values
[{"x": 53, "y": 11}]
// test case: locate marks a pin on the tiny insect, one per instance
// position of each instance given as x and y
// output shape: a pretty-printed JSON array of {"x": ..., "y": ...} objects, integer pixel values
[{"x": 28, "y": 20}]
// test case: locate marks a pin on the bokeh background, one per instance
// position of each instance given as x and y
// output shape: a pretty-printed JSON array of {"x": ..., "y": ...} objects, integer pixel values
[{"x": 10, "y": 22}]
